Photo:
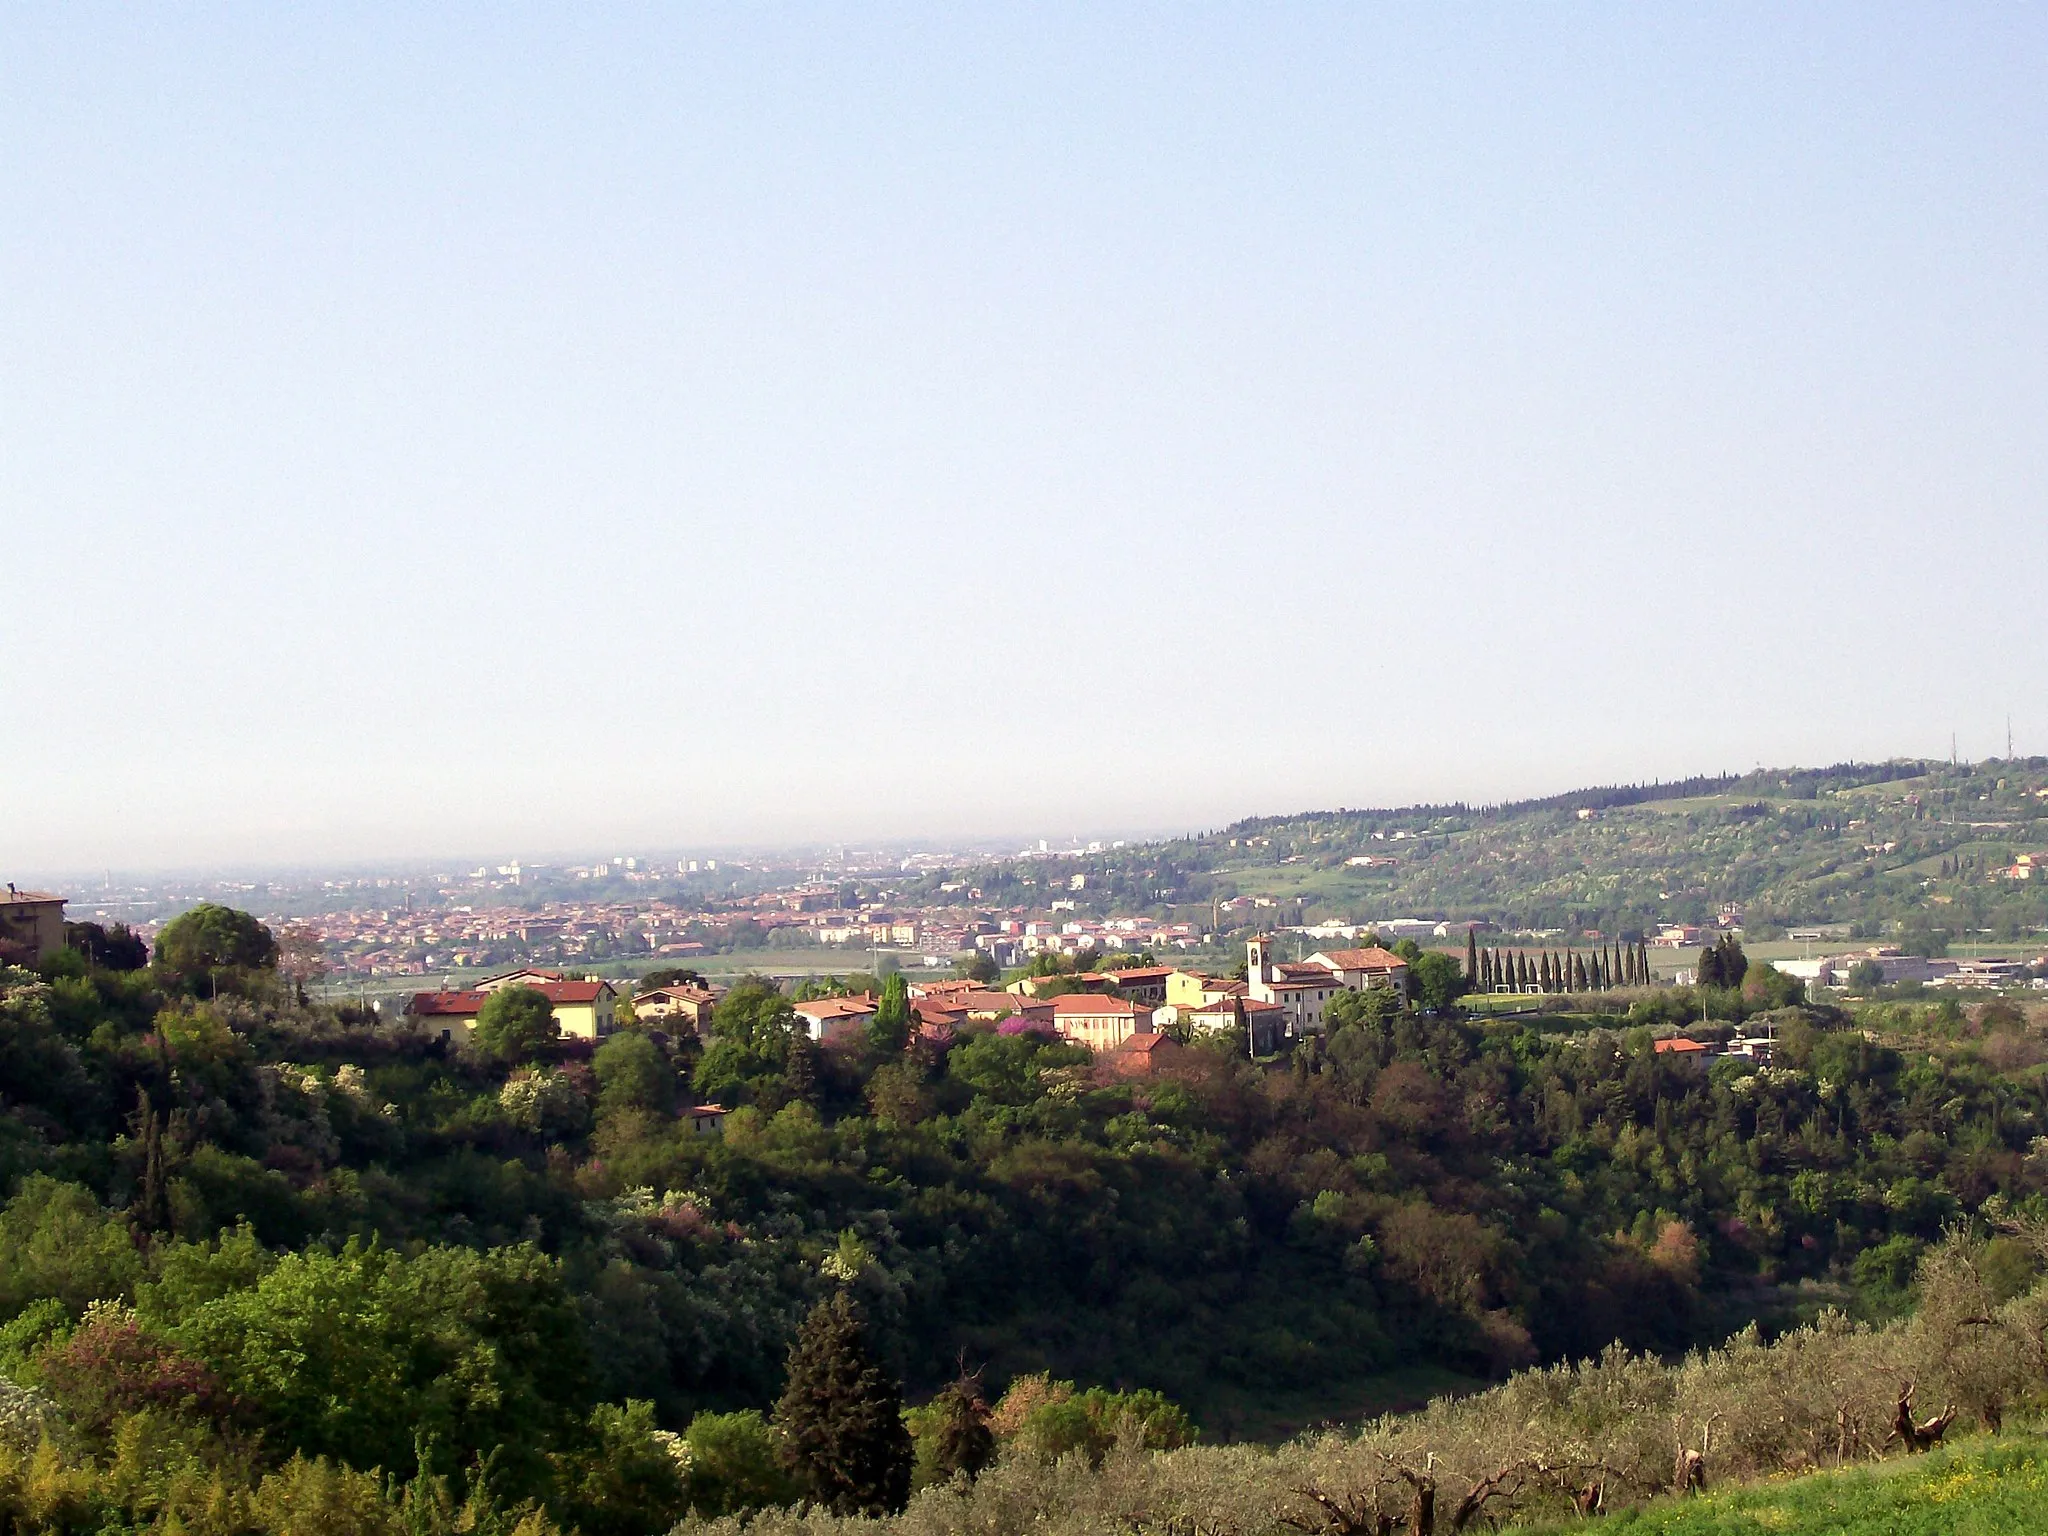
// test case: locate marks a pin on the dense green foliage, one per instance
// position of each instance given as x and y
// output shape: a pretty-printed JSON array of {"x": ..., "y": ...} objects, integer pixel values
[{"x": 276, "y": 1231}]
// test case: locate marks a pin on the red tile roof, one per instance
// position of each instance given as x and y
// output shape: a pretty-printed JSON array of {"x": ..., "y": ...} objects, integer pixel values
[
  {"x": 1374, "y": 959},
  {"x": 837, "y": 1007},
  {"x": 447, "y": 1004},
  {"x": 1681, "y": 1046},
  {"x": 1092, "y": 1004},
  {"x": 570, "y": 991}
]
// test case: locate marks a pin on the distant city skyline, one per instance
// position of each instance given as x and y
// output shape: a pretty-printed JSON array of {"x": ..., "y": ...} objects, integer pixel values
[{"x": 718, "y": 428}]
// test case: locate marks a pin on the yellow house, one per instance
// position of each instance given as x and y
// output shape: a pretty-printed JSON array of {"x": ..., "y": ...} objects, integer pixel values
[
  {"x": 1191, "y": 989},
  {"x": 31, "y": 926},
  {"x": 582, "y": 1009}
]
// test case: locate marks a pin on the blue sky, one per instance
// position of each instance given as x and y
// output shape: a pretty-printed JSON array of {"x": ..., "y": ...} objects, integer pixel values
[{"x": 524, "y": 428}]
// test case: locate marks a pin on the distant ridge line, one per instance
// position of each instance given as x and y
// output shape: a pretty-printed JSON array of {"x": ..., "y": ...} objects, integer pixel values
[{"x": 1613, "y": 796}]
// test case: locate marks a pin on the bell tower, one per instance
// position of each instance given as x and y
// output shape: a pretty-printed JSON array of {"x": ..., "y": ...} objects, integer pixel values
[{"x": 1257, "y": 955}]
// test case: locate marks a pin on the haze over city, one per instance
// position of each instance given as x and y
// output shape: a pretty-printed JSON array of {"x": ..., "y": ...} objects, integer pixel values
[{"x": 456, "y": 435}]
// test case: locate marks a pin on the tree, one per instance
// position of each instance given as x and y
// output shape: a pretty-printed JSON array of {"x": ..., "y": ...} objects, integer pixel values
[
  {"x": 671, "y": 976},
  {"x": 211, "y": 939},
  {"x": 1471, "y": 957},
  {"x": 1436, "y": 980},
  {"x": 751, "y": 1039},
  {"x": 632, "y": 1074},
  {"x": 953, "y": 1435},
  {"x": 514, "y": 1023},
  {"x": 841, "y": 1416},
  {"x": 301, "y": 956},
  {"x": 978, "y": 966},
  {"x": 1723, "y": 964},
  {"x": 115, "y": 948},
  {"x": 889, "y": 1029},
  {"x": 1369, "y": 1008}
]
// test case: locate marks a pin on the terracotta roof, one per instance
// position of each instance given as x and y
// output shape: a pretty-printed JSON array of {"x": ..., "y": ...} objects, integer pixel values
[
  {"x": 447, "y": 1004},
  {"x": 1374, "y": 959},
  {"x": 1091, "y": 1003},
  {"x": 837, "y": 1007},
  {"x": 1680, "y": 1045},
  {"x": 27, "y": 898},
  {"x": 1140, "y": 973},
  {"x": 1148, "y": 1043},
  {"x": 678, "y": 994},
  {"x": 1229, "y": 1005},
  {"x": 572, "y": 991}
]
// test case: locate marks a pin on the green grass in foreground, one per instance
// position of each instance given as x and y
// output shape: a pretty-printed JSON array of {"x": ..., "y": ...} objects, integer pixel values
[{"x": 1983, "y": 1487}]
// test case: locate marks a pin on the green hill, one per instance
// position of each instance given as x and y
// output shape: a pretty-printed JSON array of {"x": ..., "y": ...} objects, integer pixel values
[
  {"x": 1981, "y": 1488},
  {"x": 1878, "y": 847}
]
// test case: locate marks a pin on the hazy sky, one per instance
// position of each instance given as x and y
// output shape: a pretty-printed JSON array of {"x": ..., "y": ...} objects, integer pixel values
[{"x": 506, "y": 429}]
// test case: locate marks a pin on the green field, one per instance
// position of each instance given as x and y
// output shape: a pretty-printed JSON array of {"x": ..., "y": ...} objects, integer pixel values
[{"x": 1980, "y": 1488}]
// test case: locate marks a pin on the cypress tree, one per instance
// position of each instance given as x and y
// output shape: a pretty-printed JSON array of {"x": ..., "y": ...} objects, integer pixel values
[
  {"x": 1581, "y": 982},
  {"x": 1521, "y": 971},
  {"x": 841, "y": 1416},
  {"x": 800, "y": 1075},
  {"x": 889, "y": 1030},
  {"x": 152, "y": 1205},
  {"x": 1472, "y": 956},
  {"x": 1547, "y": 973}
]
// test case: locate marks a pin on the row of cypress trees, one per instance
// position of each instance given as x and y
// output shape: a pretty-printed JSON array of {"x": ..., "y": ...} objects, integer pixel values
[{"x": 1614, "y": 965}]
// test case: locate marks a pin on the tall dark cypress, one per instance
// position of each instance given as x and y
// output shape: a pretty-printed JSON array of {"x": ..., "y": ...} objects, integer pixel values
[
  {"x": 1472, "y": 956},
  {"x": 841, "y": 1416}
]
